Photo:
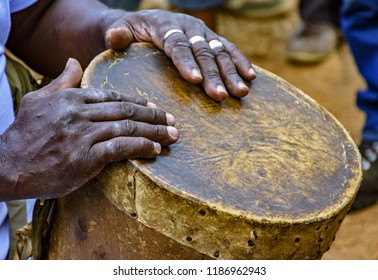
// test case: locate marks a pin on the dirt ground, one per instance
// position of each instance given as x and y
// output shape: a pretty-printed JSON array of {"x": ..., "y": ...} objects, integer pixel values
[{"x": 332, "y": 83}]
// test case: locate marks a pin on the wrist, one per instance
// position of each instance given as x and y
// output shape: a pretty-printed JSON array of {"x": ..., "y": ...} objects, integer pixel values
[{"x": 8, "y": 170}]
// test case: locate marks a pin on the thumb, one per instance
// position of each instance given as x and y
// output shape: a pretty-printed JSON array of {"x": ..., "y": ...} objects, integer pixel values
[
  {"x": 70, "y": 77},
  {"x": 118, "y": 36}
]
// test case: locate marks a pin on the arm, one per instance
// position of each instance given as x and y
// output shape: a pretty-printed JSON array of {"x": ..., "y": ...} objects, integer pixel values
[
  {"x": 64, "y": 136},
  {"x": 49, "y": 32}
]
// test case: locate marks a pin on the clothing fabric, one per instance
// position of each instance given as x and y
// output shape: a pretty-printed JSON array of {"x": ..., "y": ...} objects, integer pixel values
[
  {"x": 194, "y": 5},
  {"x": 185, "y": 5},
  {"x": 4, "y": 231},
  {"x": 360, "y": 26},
  {"x": 321, "y": 10},
  {"x": 6, "y": 105},
  {"x": 128, "y": 5}
]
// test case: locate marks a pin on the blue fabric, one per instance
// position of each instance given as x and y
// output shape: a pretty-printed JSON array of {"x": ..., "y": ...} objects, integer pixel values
[
  {"x": 4, "y": 231},
  {"x": 193, "y": 5},
  {"x": 6, "y": 106},
  {"x": 18, "y": 5},
  {"x": 321, "y": 10},
  {"x": 125, "y": 5},
  {"x": 360, "y": 26}
]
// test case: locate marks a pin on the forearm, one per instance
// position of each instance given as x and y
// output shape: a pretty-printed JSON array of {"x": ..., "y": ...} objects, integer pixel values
[{"x": 46, "y": 34}]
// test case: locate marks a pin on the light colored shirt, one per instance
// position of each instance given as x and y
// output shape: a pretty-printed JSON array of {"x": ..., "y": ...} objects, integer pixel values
[{"x": 6, "y": 106}]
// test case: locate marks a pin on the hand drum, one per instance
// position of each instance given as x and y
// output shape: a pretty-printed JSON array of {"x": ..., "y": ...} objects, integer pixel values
[{"x": 268, "y": 176}]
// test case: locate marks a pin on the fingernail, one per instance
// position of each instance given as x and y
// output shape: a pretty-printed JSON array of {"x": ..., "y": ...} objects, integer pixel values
[
  {"x": 114, "y": 35},
  {"x": 151, "y": 105},
  {"x": 221, "y": 93},
  {"x": 196, "y": 74},
  {"x": 242, "y": 86},
  {"x": 69, "y": 61},
  {"x": 173, "y": 132},
  {"x": 157, "y": 147},
  {"x": 111, "y": 30},
  {"x": 251, "y": 72},
  {"x": 170, "y": 119},
  {"x": 221, "y": 89}
]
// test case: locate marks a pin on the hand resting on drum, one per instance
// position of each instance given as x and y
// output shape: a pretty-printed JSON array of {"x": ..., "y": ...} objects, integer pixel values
[
  {"x": 200, "y": 55},
  {"x": 64, "y": 136}
]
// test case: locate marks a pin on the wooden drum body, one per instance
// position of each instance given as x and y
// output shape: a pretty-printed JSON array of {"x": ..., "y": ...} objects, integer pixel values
[{"x": 268, "y": 176}]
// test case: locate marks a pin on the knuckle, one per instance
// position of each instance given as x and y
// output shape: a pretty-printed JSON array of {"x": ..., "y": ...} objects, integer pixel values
[
  {"x": 212, "y": 74},
  {"x": 180, "y": 50},
  {"x": 160, "y": 133},
  {"x": 115, "y": 95},
  {"x": 94, "y": 94},
  {"x": 69, "y": 111},
  {"x": 112, "y": 147},
  {"x": 180, "y": 44},
  {"x": 131, "y": 127},
  {"x": 184, "y": 58},
  {"x": 145, "y": 148},
  {"x": 139, "y": 100},
  {"x": 186, "y": 19},
  {"x": 195, "y": 22},
  {"x": 146, "y": 144},
  {"x": 221, "y": 53},
  {"x": 200, "y": 22},
  {"x": 231, "y": 71},
  {"x": 117, "y": 145},
  {"x": 204, "y": 53},
  {"x": 116, "y": 129},
  {"x": 128, "y": 110},
  {"x": 154, "y": 115},
  {"x": 67, "y": 93},
  {"x": 158, "y": 116},
  {"x": 69, "y": 114}
]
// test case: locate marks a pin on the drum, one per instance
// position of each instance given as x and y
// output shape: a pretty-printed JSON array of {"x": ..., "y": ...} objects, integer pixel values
[{"x": 268, "y": 176}]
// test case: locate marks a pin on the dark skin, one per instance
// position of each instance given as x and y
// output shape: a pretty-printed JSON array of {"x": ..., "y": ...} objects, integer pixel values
[{"x": 63, "y": 136}]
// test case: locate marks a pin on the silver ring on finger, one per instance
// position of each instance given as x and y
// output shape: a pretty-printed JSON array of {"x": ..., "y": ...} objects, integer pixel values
[
  {"x": 215, "y": 44},
  {"x": 196, "y": 39},
  {"x": 170, "y": 32}
]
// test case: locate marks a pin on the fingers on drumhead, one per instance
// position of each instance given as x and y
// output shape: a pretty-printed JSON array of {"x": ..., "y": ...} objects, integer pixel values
[
  {"x": 122, "y": 148},
  {"x": 94, "y": 95}
]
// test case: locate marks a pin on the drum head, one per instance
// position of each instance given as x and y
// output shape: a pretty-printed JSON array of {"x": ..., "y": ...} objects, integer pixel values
[{"x": 275, "y": 154}]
